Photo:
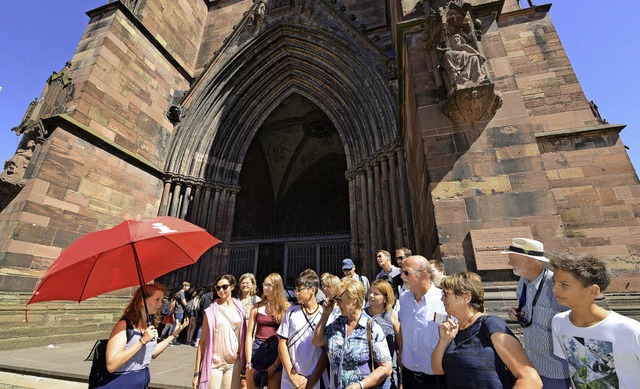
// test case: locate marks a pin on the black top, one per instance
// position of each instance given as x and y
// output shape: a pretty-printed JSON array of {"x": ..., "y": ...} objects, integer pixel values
[{"x": 472, "y": 362}]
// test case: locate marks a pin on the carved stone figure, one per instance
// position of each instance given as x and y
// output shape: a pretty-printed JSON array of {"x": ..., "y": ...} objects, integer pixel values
[
  {"x": 18, "y": 163},
  {"x": 463, "y": 65}
]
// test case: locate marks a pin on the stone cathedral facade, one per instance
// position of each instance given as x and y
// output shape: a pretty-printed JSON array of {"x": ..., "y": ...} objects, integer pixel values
[{"x": 301, "y": 132}]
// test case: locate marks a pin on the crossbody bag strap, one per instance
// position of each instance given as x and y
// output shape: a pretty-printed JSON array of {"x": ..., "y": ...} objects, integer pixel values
[{"x": 369, "y": 341}]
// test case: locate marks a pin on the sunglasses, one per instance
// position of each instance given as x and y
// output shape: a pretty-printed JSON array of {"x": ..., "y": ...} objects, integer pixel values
[
  {"x": 408, "y": 273},
  {"x": 223, "y": 287},
  {"x": 401, "y": 257}
]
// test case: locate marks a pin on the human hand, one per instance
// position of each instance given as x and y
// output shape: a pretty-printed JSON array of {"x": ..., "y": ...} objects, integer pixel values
[
  {"x": 449, "y": 329},
  {"x": 249, "y": 368},
  {"x": 513, "y": 314},
  {"x": 298, "y": 380},
  {"x": 179, "y": 328},
  {"x": 149, "y": 334},
  {"x": 195, "y": 382},
  {"x": 271, "y": 370}
]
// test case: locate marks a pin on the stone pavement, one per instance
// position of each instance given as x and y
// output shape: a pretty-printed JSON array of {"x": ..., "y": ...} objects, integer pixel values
[{"x": 171, "y": 370}]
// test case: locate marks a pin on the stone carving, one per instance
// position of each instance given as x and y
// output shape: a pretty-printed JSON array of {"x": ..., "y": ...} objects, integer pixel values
[
  {"x": 175, "y": 113},
  {"x": 463, "y": 65},
  {"x": 472, "y": 104}
]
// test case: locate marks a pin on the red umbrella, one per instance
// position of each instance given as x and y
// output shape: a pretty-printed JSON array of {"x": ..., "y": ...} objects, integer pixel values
[{"x": 131, "y": 253}]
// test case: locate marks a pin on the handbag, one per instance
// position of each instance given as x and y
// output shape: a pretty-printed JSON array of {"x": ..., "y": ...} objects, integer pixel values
[{"x": 171, "y": 317}]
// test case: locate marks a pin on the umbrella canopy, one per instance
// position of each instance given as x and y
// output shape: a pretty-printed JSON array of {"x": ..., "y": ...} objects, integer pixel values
[{"x": 128, "y": 254}]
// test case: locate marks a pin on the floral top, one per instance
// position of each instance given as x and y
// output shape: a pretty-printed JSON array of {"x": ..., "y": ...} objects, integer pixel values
[{"x": 349, "y": 358}]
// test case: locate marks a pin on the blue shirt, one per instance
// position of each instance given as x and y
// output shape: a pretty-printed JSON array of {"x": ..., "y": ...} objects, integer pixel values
[
  {"x": 349, "y": 359},
  {"x": 538, "y": 341}
]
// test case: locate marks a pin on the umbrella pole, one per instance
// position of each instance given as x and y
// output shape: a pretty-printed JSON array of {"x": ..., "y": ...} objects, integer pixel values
[{"x": 141, "y": 279}]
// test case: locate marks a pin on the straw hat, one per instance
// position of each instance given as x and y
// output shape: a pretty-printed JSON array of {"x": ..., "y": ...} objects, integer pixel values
[{"x": 528, "y": 247}]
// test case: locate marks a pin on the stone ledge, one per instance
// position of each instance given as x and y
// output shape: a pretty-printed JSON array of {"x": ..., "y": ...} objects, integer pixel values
[{"x": 570, "y": 132}]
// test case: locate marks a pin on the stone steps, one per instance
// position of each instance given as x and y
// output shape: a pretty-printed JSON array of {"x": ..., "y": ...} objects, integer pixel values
[{"x": 56, "y": 322}]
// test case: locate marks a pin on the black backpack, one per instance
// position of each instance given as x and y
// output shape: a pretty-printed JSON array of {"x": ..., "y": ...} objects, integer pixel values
[{"x": 98, "y": 358}]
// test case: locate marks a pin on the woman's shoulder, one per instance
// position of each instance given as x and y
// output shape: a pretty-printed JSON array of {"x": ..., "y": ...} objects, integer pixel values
[{"x": 495, "y": 324}]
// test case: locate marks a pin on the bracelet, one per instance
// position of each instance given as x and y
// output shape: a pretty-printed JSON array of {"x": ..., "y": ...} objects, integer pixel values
[
  {"x": 361, "y": 384},
  {"x": 248, "y": 364},
  {"x": 143, "y": 343},
  {"x": 196, "y": 374}
]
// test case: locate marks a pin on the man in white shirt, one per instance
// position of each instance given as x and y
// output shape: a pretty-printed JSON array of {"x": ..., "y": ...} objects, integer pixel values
[{"x": 418, "y": 308}]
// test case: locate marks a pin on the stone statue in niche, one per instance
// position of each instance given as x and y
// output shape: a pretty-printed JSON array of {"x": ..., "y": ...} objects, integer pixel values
[{"x": 463, "y": 65}]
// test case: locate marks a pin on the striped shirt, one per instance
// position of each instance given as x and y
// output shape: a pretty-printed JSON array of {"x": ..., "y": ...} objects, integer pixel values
[{"x": 537, "y": 337}]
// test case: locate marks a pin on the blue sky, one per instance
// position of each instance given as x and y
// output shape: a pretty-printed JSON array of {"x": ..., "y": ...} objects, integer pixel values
[{"x": 37, "y": 38}]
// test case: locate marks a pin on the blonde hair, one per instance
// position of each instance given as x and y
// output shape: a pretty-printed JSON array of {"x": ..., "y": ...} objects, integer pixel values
[
  {"x": 251, "y": 278},
  {"x": 386, "y": 290},
  {"x": 331, "y": 280},
  {"x": 353, "y": 288},
  {"x": 279, "y": 302},
  {"x": 134, "y": 312}
]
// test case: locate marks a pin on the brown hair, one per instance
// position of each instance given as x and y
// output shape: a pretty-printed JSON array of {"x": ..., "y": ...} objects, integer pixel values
[
  {"x": 465, "y": 282},
  {"x": 134, "y": 311},
  {"x": 587, "y": 269},
  {"x": 386, "y": 290},
  {"x": 405, "y": 251}
]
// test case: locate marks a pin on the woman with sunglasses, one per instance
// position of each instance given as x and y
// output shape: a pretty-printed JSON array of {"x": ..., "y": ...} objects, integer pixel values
[
  {"x": 358, "y": 353},
  {"x": 263, "y": 366},
  {"x": 221, "y": 349},
  {"x": 477, "y": 350}
]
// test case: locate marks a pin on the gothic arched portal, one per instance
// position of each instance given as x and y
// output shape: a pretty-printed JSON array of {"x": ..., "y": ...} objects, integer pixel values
[{"x": 345, "y": 81}]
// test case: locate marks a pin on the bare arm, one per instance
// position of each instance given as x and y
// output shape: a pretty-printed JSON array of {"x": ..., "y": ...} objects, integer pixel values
[
  {"x": 378, "y": 375},
  {"x": 200, "y": 351},
  {"x": 512, "y": 354},
  {"x": 319, "y": 339},
  {"x": 165, "y": 343},
  {"x": 248, "y": 343},
  {"x": 448, "y": 331},
  {"x": 298, "y": 380},
  {"x": 116, "y": 354},
  {"x": 317, "y": 372}
]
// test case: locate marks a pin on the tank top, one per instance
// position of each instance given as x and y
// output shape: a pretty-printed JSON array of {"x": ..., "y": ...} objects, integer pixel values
[
  {"x": 227, "y": 329},
  {"x": 266, "y": 328}
]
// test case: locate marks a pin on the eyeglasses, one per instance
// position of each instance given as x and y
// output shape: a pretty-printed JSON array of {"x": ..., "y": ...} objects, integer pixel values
[
  {"x": 223, "y": 287},
  {"x": 299, "y": 290},
  {"x": 267, "y": 285},
  {"x": 408, "y": 273},
  {"x": 445, "y": 293},
  {"x": 339, "y": 298},
  {"x": 401, "y": 257}
]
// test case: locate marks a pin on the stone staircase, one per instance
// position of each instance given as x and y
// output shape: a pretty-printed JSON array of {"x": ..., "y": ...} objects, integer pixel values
[{"x": 56, "y": 322}]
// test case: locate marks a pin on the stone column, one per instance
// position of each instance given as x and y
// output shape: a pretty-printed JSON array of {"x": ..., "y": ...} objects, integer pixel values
[
  {"x": 353, "y": 215},
  {"x": 373, "y": 231},
  {"x": 386, "y": 205},
  {"x": 364, "y": 224},
  {"x": 164, "y": 202},
  {"x": 405, "y": 203},
  {"x": 379, "y": 213},
  {"x": 175, "y": 200},
  {"x": 186, "y": 200},
  {"x": 394, "y": 190}
]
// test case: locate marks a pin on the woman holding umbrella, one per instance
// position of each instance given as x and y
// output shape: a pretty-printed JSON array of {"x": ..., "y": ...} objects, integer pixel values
[
  {"x": 133, "y": 343},
  {"x": 221, "y": 349}
]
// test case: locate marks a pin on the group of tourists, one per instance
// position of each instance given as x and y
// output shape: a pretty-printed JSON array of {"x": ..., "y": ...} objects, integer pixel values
[{"x": 399, "y": 331}]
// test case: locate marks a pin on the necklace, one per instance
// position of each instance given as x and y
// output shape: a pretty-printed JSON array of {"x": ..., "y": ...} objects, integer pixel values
[
  {"x": 311, "y": 313},
  {"x": 465, "y": 324}
]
